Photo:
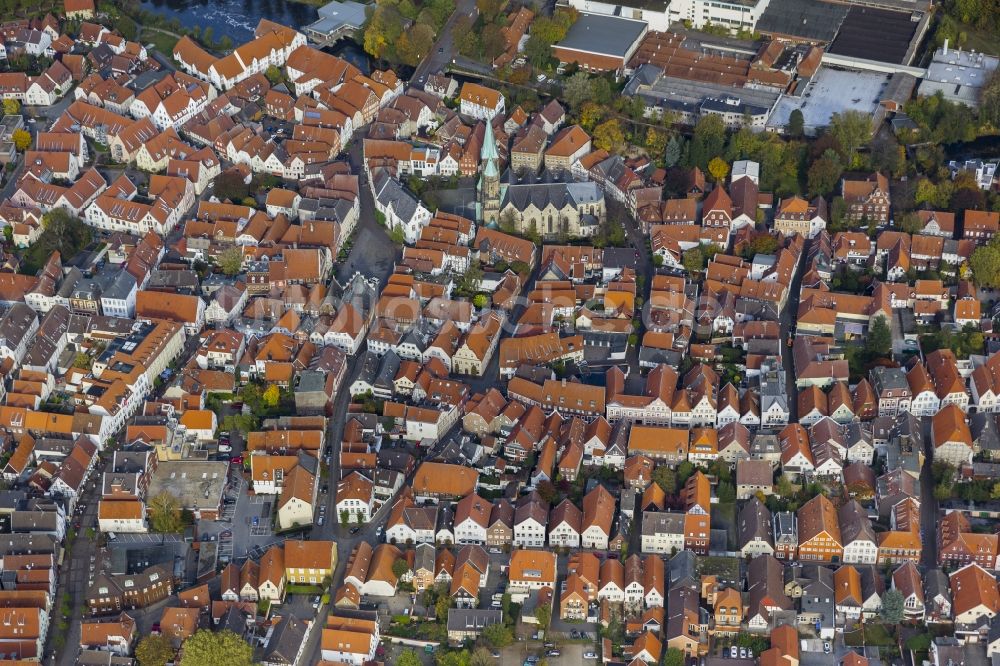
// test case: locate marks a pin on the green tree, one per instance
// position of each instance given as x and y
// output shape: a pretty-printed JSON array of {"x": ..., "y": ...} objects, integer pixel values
[
  {"x": 852, "y": 130},
  {"x": 796, "y": 126},
  {"x": 708, "y": 141},
  {"x": 165, "y": 513},
  {"x": 824, "y": 173},
  {"x": 892, "y": 607},
  {"x": 985, "y": 264},
  {"x": 64, "y": 233},
  {"x": 878, "y": 342},
  {"x": 479, "y": 301},
  {"x": 154, "y": 650},
  {"x": 673, "y": 657},
  {"x": 665, "y": 478},
  {"x": 441, "y": 607},
  {"x": 673, "y": 152},
  {"x": 472, "y": 278},
  {"x": 229, "y": 185},
  {"x": 490, "y": 9},
  {"x": 273, "y": 74},
  {"x": 400, "y": 567},
  {"x": 209, "y": 648},
  {"x": 684, "y": 471},
  {"x": 21, "y": 138},
  {"x": 909, "y": 223},
  {"x": 408, "y": 657},
  {"x": 726, "y": 492},
  {"x": 230, "y": 260},
  {"x": 543, "y": 614},
  {"x": 693, "y": 260},
  {"x": 498, "y": 635},
  {"x": 577, "y": 90}
]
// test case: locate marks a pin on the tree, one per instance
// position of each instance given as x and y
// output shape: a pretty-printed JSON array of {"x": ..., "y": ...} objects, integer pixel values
[
  {"x": 852, "y": 130},
  {"x": 408, "y": 657},
  {"x": 271, "y": 396},
  {"x": 11, "y": 107},
  {"x": 230, "y": 185},
  {"x": 165, "y": 513},
  {"x": 209, "y": 648},
  {"x": 684, "y": 471},
  {"x": 399, "y": 568},
  {"x": 481, "y": 657},
  {"x": 985, "y": 264},
  {"x": 673, "y": 152},
  {"x": 708, "y": 140},
  {"x": 63, "y": 233},
  {"x": 726, "y": 492},
  {"x": 673, "y": 657},
  {"x": 796, "y": 126},
  {"x": 879, "y": 340},
  {"x": 665, "y": 478},
  {"x": 609, "y": 136},
  {"x": 892, "y": 607},
  {"x": 909, "y": 223},
  {"x": 718, "y": 168},
  {"x": 498, "y": 635},
  {"x": 547, "y": 491},
  {"x": 578, "y": 90},
  {"x": 382, "y": 31},
  {"x": 494, "y": 43},
  {"x": 490, "y": 9},
  {"x": 21, "y": 139},
  {"x": 154, "y": 650},
  {"x": 656, "y": 142},
  {"x": 273, "y": 74},
  {"x": 543, "y": 614},
  {"x": 231, "y": 260},
  {"x": 479, "y": 301},
  {"x": 824, "y": 173},
  {"x": 590, "y": 115},
  {"x": 472, "y": 278},
  {"x": 441, "y": 607}
]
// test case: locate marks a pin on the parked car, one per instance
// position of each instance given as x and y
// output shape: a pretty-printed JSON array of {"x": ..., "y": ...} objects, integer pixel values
[
  {"x": 590, "y": 655},
  {"x": 826, "y": 647},
  {"x": 734, "y": 652}
]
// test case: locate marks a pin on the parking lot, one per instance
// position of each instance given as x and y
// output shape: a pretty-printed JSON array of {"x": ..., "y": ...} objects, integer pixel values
[{"x": 570, "y": 653}]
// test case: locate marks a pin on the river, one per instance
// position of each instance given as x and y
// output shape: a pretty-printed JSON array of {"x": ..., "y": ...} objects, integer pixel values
[{"x": 238, "y": 18}]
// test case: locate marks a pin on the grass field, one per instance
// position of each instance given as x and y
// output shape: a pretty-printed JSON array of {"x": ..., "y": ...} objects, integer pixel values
[{"x": 163, "y": 42}]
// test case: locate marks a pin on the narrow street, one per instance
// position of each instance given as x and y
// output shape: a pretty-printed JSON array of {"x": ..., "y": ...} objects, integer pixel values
[
  {"x": 787, "y": 322},
  {"x": 928, "y": 504}
]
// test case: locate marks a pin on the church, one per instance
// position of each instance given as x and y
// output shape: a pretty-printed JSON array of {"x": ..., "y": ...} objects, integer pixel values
[{"x": 550, "y": 207}]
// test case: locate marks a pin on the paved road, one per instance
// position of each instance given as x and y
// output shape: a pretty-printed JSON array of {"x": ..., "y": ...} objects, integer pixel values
[
  {"x": 445, "y": 50},
  {"x": 74, "y": 581},
  {"x": 787, "y": 320},
  {"x": 928, "y": 505}
]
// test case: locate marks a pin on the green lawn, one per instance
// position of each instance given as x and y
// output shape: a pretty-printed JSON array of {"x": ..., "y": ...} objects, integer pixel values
[
  {"x": 869, "y": 634},
  {"x": 163, "y": 42}
]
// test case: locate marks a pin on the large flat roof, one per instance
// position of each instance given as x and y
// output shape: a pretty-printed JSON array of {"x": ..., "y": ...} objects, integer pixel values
[
  {"x": 603, "y": 35},
  {"x": 805, "y": 19},
  {"x": 832, "y": 91},
  {"x": 875, "y": 34}
]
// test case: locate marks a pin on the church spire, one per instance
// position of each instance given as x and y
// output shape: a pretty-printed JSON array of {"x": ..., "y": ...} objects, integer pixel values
[{"x": 489, "y": 150}]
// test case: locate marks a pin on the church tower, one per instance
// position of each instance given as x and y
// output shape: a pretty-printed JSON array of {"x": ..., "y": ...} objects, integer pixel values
[{"x": 489, "y": 181}]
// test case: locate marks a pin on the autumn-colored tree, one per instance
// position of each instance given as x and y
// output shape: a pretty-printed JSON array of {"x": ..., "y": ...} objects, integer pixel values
[
  {"x": 590, "y": 115},
  {"x": 656, "y": 142},
  {"x": 22, "y": 139},
  {"x": 719, "y": 169},
  {"x": 11, "y": 107},
  {"x": 271, "y": 395},
  {"x": 609, "y": 136}
]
